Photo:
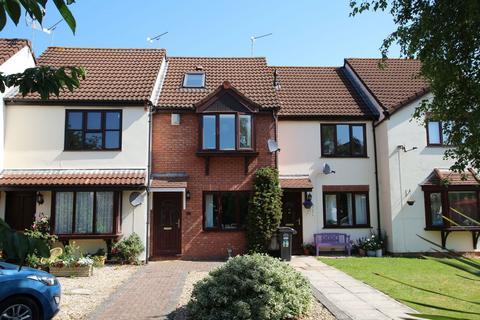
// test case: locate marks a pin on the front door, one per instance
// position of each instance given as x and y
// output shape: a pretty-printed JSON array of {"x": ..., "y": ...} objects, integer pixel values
[
  {"x": 167, "y": 209},
  {"x": 292, "y": 217},
  {"x": 20, "y": 209}
]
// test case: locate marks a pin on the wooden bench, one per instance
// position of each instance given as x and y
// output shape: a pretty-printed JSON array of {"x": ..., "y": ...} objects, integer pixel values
[{"x": 332, "y": 240}]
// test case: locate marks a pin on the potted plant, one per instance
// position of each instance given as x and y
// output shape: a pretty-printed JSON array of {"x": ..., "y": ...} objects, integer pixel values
[
  {"x": 99, "y": 258},
  {"x": 71, "y": 263},
  {"x": 360, "y": 244},
  {"x": 308, "y": 248},
  {"x": 374, "y": 246}
]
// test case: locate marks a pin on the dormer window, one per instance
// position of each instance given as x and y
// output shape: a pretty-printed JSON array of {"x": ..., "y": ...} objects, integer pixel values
[
  {"x": 226, "y": 132},
  {"x": 194, "y": 80}
]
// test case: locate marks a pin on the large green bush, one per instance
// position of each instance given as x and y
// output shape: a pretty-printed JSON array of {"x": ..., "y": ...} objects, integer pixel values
[
  {"x": 265, "y": 209},
  {"x": 251, "y": 287},
  {"x": 129, "y": 249}
]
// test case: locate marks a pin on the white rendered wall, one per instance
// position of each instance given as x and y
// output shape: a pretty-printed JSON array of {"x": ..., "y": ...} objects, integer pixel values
[{"x": 301, "y": 155}]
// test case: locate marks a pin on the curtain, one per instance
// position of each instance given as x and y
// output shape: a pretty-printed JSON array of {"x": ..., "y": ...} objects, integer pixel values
[
  {"x": 361, "y": 208},
  {"x": 104, "y": 212},
  {"x": 63, "y": 212},
  {"x": 331, "y": 207},
  {"x": 209, "y": 214},
  {"x": 349, "y": 216},
  {"x": 84, "y": 212}
]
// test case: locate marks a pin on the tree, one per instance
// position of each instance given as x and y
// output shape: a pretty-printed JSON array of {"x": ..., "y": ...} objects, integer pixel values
[
  {"x": 265, "y": 209},
  {"x": 445, "y": 36},
  {"x": 44, "y": 80}
]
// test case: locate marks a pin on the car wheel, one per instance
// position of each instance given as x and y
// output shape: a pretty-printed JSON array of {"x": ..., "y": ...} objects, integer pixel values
[{"x": 21, "y": 308}]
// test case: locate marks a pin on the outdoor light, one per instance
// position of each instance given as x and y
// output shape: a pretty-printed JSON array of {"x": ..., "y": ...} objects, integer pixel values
[
  {"x": 308, "y": 200},
  {"x": 40, "y": 199},
  {"x": 411, "y": 201},
  {"x": 187, "y": 195}
]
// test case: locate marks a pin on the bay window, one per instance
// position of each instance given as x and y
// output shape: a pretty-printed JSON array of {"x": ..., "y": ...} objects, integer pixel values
[
  {"x": 225, "y": 210},
  {"x": 346, "y": 209},
  {"x": 226, "y": 132},
  {"x": 85, "y": 212}
]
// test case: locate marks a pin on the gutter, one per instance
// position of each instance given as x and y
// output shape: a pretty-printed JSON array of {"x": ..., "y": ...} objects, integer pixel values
[{"x": 377, "y": 191}]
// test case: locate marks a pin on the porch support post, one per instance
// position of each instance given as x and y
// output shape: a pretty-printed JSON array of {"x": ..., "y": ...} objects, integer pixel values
[
  {"x": 444, "y": 234},
  {"x": 475, "y": 237}
]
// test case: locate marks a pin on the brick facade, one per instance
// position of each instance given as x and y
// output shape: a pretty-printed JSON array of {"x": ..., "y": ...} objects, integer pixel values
[{"x": 174, "y": 149}]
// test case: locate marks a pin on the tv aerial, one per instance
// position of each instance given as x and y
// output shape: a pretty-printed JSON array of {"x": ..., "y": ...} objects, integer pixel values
[
  {"x": 157, "y": 37},
  {"x": 255, "y": 38}
]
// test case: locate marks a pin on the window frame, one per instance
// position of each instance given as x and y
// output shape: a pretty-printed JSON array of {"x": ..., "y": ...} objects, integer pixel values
[
  {"x": 237, "y": 132},
  {"x": 354, "y": 213},
  {"x": 446, "y": 205},
  {"x": 103, "y": 129},
  {"x": 350, "y": 130},
  {"x": 93, "y": 235},
  {"x": 185, "y": 76},
  {"x": 219, "y": 228},
  {"x": 440, "y": 135}
]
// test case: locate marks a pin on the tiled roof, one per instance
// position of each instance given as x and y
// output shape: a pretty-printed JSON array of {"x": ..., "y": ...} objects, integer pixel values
[
  {"x": 440, "y": 177},
  {"x": 8, "y": 47},
  {"x": 250, "y": 76},
  {"x": 112, "y": 74},
  {"x": 295, "y": 183},
  {"x": 318, "y": 91},
  {"x": 397, "y": 84},
  {"x": 157, "y": 183},
  {"x": 60, "y": 177}
]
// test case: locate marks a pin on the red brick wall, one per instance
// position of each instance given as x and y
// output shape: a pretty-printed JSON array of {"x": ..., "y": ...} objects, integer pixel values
[{"x": 174, "y": 150}]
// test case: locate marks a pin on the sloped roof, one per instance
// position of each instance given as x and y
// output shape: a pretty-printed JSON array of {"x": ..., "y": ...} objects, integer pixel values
[
  {"x": 440, "y": 176},
  {"x": 73, "y": 177},
  {"x": 318, "y": 91},
  {"x": 296, "y": 183},
  {"x": 250, "y": 76},
  {"x": 8, "y": 47},
  {"x": 112, "y": 74},
  {"x": 394, "y": 86}
]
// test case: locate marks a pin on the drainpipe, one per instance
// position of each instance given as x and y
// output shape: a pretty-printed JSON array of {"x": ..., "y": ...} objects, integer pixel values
[
  {"x": 150, "y": 107},
  {"x": 275, "y": 119},
  {"x": 377, "y": 191}
]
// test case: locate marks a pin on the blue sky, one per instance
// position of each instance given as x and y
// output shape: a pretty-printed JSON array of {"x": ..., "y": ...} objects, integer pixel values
[{"x": 305, "y": 32}]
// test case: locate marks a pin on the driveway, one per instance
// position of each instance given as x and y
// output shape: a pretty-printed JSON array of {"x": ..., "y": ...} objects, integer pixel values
[{"x": 151, "y": 293}]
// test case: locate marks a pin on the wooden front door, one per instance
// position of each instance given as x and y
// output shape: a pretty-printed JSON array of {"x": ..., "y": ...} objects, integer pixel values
[
  {"x": 20, "y": 209},
  {"x": 292, "y": 217},
  {"x": 167, "y": 211}
]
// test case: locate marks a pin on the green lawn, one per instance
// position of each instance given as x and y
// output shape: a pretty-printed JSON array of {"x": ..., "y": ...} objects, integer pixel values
[{"x": 443, "y": 286}]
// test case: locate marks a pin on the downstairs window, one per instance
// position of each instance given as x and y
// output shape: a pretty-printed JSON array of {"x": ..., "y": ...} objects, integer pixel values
[
  {"x": 346, "y": 209},
  {"x": 225, "y": 210}
]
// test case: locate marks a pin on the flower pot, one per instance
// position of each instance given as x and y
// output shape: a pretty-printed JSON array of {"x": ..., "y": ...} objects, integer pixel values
[
  {"x": 72, "y": 271},
  {"x": 99, "y": 262},
  {"x": 371, "y": 253},
  {"x": 379, "y": 253},
  {"x": 361, "y": 252}
]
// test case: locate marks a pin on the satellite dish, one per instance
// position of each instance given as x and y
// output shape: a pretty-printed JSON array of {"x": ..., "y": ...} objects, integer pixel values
[
  {"x": 273, "y": 145},
  {"x": 136, "y": 198},
  {"x": 327, "y": 169}
]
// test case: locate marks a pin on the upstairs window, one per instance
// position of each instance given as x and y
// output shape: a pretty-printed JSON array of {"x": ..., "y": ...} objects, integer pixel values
[
  {"x": 93, "y": 130},
  {"x": 194, "y": 80},
  {"x": 435, "y": 134},
  {"x": 226, "y": 132},
  {"x": 343, "y": 140}
]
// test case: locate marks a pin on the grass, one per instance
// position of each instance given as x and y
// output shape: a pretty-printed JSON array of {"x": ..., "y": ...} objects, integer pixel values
[{"x": 419, "y": 283}]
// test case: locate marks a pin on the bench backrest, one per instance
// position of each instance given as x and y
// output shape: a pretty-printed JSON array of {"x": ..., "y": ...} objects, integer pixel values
[{"x": 331, "y": 238}]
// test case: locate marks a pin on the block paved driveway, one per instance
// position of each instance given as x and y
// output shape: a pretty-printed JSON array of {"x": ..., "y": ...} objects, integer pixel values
[{"x": 152, "y": 292}]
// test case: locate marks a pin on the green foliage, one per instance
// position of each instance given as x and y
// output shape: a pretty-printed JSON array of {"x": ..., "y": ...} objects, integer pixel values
[
  {"x": 17, "y": 246},
  {"x": 41, "y": 230},
  {"x": 35, "y": 9},
  {"x": 265, "y": 209},
  {"x": 251, "y": 287},
  {"x": 71, "y": 257},
  {"x": 128, "y": 250},
  {"x": 445, "y": 36}
]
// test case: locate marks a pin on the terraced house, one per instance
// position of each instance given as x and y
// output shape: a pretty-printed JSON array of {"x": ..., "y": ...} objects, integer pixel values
[{"x": 167, "y": 147}]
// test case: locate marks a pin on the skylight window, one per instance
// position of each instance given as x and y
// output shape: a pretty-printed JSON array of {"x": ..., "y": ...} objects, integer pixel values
[{"x": 194, "y": 80}]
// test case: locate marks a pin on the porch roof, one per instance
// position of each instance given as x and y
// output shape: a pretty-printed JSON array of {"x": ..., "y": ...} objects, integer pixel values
[
  {"x": 444, "y": 177},
  {"x": 301, "y": 183},
  {"x": 169, "y": 180},
  {"x": 72, "y": 177}
]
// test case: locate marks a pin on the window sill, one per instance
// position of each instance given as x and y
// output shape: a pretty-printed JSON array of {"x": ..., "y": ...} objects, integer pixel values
[
  {"x": 465, "y": 228},
  {"x": 88, "y": 236},
  {"x": 347, "y": 227},
  {"x": 441, "y": 146},
  {"x": 232, "y": 153},
  {"x": 99, "y": 150},
  {"x": 223, "y": 230},
  {"x": 344, "y": 157}
]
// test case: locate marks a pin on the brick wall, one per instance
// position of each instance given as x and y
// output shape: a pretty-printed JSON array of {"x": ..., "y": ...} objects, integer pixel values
[{"x": 174, "y": 150}]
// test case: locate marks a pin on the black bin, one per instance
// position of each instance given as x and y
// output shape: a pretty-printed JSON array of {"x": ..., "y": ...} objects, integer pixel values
[{"x": 285, "y": 235}]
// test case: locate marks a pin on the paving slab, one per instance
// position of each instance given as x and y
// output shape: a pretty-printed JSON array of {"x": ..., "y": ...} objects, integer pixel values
[{"x": 346, "y": 297}]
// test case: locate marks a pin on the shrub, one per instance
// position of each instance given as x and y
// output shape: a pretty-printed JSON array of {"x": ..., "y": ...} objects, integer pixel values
[
  {"x": 129, "y": 249},
  {"x": 251, "y": 287},
  {"x": 265, "y": 209}
]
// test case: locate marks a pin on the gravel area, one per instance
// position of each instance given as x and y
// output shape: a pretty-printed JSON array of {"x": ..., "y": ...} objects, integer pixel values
[
  {"x": 81, "y": 296},
  {"x": 319, "y": 312}
]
